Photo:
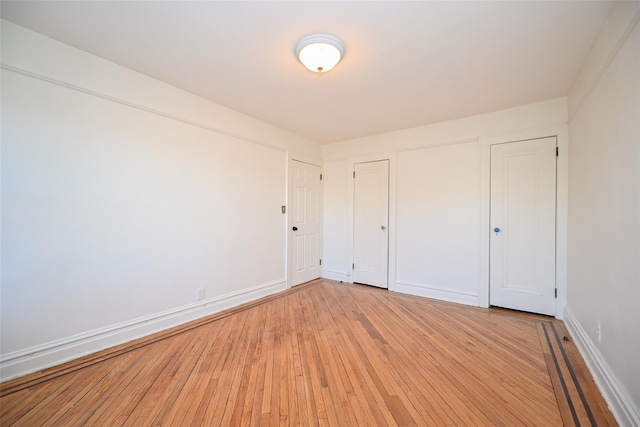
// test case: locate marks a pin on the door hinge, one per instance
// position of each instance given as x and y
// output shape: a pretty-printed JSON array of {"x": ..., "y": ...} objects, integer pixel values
[
  {"x": 353, "y": 266},
  {"x": 556, "y": 292},
  {"x": 354, "y": 174},
  {"x": 320, "y": 177},
  {"x": 557, "y": 151},
  {"x": 320, "y": 261}
]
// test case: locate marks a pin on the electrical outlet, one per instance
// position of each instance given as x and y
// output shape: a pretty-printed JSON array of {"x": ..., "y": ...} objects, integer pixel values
[
  {"x": 598, "y": 331},
  {"x": 199, "y": 294}
]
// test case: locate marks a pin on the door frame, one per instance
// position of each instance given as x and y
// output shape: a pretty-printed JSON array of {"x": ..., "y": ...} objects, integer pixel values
[
  {"x": 385, "y": 231},
  {"x": 391, "y": 157},
  {"x": 291, "y": 157},
  {"x": 561, "y": 132}
]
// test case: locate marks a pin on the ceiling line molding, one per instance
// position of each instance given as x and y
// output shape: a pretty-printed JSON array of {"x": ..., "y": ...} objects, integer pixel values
[
  {"x": 380, "y": 86},
  {"x": 438, "y": 144},
  {"x": 592, "y": 72},
  {"x": 138, "y": 106}
]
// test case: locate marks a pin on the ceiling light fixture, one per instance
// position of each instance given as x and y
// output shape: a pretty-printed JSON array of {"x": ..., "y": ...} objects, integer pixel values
[{"x": 319, "y": 52}]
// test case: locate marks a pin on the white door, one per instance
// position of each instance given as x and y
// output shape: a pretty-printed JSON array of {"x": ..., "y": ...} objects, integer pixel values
[
  {"x": 305, "y": 222},
  {"x": 523, "y": 226},
  {"x": 371, "y": 223}
]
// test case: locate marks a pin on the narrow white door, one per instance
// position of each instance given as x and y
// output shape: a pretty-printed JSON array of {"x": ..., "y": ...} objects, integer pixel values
[
  {"x": 371, "y": 223},
  {"x": 523, "y": 226},
  {"x": 305, "y": 223}
]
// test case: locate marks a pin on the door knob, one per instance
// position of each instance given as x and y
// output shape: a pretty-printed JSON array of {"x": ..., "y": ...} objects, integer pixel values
[
  {"x": 497, "y": 230},
  {"x": 295, "y": 228},
  {"x": 383, "y": 228}
]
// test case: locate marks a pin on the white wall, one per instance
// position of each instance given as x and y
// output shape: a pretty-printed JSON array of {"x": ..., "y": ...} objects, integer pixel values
[
  {"x": 120, "y": 196},
  {"x": 438, "y": 198},
  {"x": 336, "y": 231},
  {"x": 438, "y": 222},
  {"x": 604, "y": 212},
  {"x": 527, "y": 117}
]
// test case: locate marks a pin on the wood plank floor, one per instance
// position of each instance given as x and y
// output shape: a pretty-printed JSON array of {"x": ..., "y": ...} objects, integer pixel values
[{"x": 325, "y": 353}]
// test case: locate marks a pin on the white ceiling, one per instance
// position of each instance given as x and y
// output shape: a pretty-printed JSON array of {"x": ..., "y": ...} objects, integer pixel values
[{"x": 407, "y": 63}]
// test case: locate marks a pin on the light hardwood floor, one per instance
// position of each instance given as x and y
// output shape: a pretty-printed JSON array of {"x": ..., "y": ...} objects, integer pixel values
[{"x": 325, "y": 353}]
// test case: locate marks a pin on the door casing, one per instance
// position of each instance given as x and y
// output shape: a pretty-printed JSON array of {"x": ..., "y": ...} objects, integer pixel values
[
  {"x": 561, "y": 132},
  {"x": 391, "y": 157},
  {"x": 291, "y": 199},
  {"x": 377, "y": 231},
  {"x": 523, "y": 225}
]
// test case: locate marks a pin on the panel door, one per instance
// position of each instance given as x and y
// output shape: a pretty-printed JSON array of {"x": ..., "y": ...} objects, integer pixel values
[
  {"x": 523, "y": 226},
  {"x": 371, "y": 223},
  {"x": 305, "y": 222}
]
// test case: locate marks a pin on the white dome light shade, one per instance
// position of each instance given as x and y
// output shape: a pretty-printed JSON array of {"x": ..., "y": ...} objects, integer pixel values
[{"x": 319, "y": 52}]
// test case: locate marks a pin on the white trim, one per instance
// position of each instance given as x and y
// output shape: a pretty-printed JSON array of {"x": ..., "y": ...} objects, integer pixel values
[
  {"x": 561, "y": 133},
  {"x": 620, "y": 24},
  {"x": 615, "y": 394},
  {"x": 484, "y": 197},
  {"x": 302, "y": 158},
  {"x": 434, "y": 292},
  {"x": 562, "y": 215},
  {"x": 336, "y": 275},
  {"x": 32, "y": 359},
  {"x": 393, "y": 223},
  {"x": 139, "y": 107},
  {"x": 391, "y": 157},
  {"x": 444, "y": 143}
]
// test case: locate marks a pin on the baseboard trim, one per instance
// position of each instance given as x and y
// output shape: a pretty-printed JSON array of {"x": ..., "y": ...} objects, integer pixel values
[
  {"x": 615, "y": 394},
  {"x": 436, "y": 293},
  {"x": 335, "y": 275},
  {"x": 23, "y": 362}
]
